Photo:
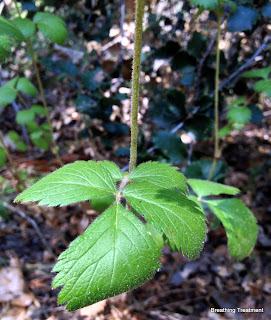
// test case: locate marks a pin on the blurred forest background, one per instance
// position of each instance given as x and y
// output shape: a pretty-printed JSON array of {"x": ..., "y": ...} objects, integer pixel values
[{"x": 87, "y": 87}]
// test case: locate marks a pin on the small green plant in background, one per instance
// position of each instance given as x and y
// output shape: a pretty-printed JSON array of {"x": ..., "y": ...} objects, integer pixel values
[
  {"x": 263, "y": 85},
  {"x": 40, "y": 135},
  {"x": 22, "y": 30},
  {"x": 118, "y": 251}
]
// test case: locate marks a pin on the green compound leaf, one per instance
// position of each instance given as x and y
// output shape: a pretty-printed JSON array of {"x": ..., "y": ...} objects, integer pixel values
[
  {"x": 171, "y": 213},
  {"x": 160, "y": 174},
  {"x": 9, "y": 29},
  {"x": 25, "y": 116},
  {"x": 115, "y": 254},
  {"x": 26, "y": 26},
  {"x": 239, "y": 115},
  {"x": 113, "y": 168},
  {"x": 258, "y": 73},
  {"x": 263, "y": 86},
  {"x": 78, "y": 181},
  {"x": 206, "y": 4},
  {"x": 51, "y": 26},
  {"x": 240, "y": 224},
  {"x": 208, "y": 188}
]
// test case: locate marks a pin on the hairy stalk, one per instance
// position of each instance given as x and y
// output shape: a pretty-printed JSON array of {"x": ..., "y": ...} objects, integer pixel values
[
  {"x": 20, "y": 183},
  {"x": 216, "y": 146},
  {"x": 34, "y": 61},
  {"x": 135, "y": 82}
]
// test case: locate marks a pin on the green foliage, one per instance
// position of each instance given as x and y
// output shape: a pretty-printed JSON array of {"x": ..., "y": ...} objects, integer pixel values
[
  {"x": 26, "y": 26},
  {"x": 25, "y": 116},
  {"x": 113, "y": 169},
  {"x": 9, "y": 91},
  {"x": 78, "y": 181},
  {"x": 200, "y": 170},
  {"x": 258, "y": 73},
  {"x": 13, "y": 135},
  {"x": 160, "y": 174},
  {"x": 100, "y": 204},
  {"x": 206, "y": 4},
  {"x": 240, "y": 115},
  {"x": 9, "y": 34},
  {"x": 263, "y": 86},
  {"x": 206, "y": 188},
  {"x": 238, "y": 221},
  {"x": 37, "y": 109},
  {"x": 242, "y": 19},
  {"x": 2, "y": 157},
  {"x": 7, "y": 95},
  {"x": 224, "y": 131},
  {"x": 171, "y": 213},
  {"x": 240, "y": 224},
  {"x": 171, "y": 146},
  {"x": 266, "y": 10},
  {"x": 9, "y": 29},
  {"x": 115, "y": 254},
  {"x": 197, "y": 45},
  {"x": 20, "y": 145},
  {"x": 5, "y": 43},
  {"x": 51, "y": 26},
  {"x": 24, "y": 85}
]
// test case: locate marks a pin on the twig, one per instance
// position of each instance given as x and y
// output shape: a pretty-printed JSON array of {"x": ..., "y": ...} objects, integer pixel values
[
  {"x": 33, "y": 223},
  {"x": 245, "y": 65}
]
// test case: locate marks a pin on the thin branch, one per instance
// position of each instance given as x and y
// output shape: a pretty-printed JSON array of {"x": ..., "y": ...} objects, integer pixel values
[
  {"x": 33, "y": 223},
  {"x": 247, "y": 64}
]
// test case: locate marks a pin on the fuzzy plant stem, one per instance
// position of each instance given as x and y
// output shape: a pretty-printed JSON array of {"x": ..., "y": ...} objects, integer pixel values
[
  {"x": 135, "y": 82},
  {"x": 216, "y": 146},
  {"x": 20, "y": 183}
]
